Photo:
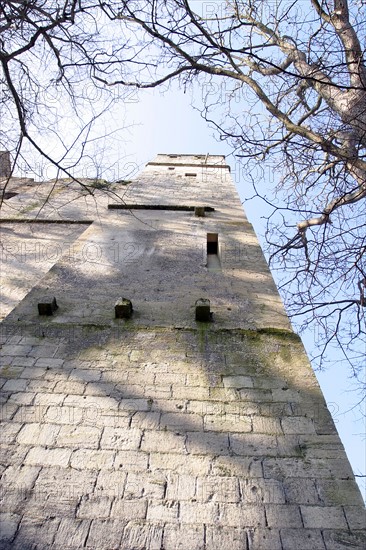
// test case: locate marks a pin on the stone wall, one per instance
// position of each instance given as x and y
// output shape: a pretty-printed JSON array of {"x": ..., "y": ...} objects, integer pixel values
[{"x": 159, "y": 432}]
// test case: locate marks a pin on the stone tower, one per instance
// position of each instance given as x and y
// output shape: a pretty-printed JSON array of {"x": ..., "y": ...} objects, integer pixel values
[{"x": 165, "y": 403}]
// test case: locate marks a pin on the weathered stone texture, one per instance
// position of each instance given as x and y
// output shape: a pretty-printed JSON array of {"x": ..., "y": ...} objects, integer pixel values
[{"x": 157, "y": 432}]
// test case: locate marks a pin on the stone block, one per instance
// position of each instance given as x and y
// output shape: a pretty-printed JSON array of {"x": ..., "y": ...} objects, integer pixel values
[
  {"x": 283, "y": 515},
  {"x": 21, "y": 398},
  {"x": 19, "y": 479},
  {"x": 71, "y": 387},
  {"x": 8, "y": 412},
  {"x": 105, "y": 534},
  {"x": 50, "y": 362},
  {"x": 22, "y": 361},
  {"x": 336, "y": 491},
  {"x": 261, "y": 491},
  {"x": 34, "y": 530},
  {"x": 180, "y": 487},
  {"x": 163, "y": 442},
  {"x": 222, "y": 489},
  {"x": 11, "y": 350},
  {"x": 202, "y": 310},
  {"x": 9, "y": 431},
  {"x": 150, "y": 485},
  {"x": 157, "y": 391},
  {"x": 126, "y": 439},
  {"x": 131, "y": 461},
  {"x": 99, "y": 404},
  {"x": 72, "y": 533},
  {"x": 129, "y": 509},
  {"x": 40, "y": 385},
  {"x": 298, "y": 425},
  {"x": 85, "y": 375},
  {"x": 212, "y": 443},
  {"x": 92, "y": 459},
  {"x": 323, "y": 517},
  {"x": 35, "y": 373},
  {"x": 199, "y": 211},
  {"x": 284, "y": 468},
  {"x": 110, "y": 484},
  {"x": 266, "y": 425},
  {"x": 181, "y": 421},
  {"x": 43, "y": 434},
  {"x": 228, "y": 423},
  {"x": 47, "y": 305},
  {"x": 41, "y": 456},
  {"x": 134, "y": 405},
  {"x": 166, "y": 511},
  {"x": 15, "y": 385},
  {"x": 301, "y": 491},
  {"x": 356, "y": 516},
  {"x": 304, "y": 539},
  {"x": 189, "y": 392},
  {"x": 237, "y": 382},
  {"x": 226, "y": 538},
  {"x": 237, "y": 466},
  {"x": 344, "y": 539},
  {"x": 123, "y": 308},
  {"x": 146, "y": 420},
  {"x": 140, "y": 535},
  {"x": 242, "y": 515},
  {"x": 264, "y": 539},
  {"x": 252, "y": 444},
  {"x": 79, "y": 436},
  {"x": 184, "y": 464},
  {"x": 94, "y": 506},
  {"x": 64, "y": 484},
  {"x": 186, "y": 537},
  {"x": 13, "y": 453},
  {"x": 199, "y": 513}
]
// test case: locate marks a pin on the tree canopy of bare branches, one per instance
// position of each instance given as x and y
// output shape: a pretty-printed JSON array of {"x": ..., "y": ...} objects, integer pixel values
[{"x": 48, "y": 102}]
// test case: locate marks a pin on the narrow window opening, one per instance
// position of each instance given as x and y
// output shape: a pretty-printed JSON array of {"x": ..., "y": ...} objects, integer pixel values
[
  {"x": 190, "y": 174},
  {"x": 213, "y": 260},
  {"x": 171, "y": 168},
  {"x": 212, "y": 243}
]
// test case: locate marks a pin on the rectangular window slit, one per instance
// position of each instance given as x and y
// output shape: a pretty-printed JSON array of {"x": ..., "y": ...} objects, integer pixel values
[
  {"x": 212, "y": 243},
  {"x": 190, "y": 174},
  {"x": 213, "y": 259}
]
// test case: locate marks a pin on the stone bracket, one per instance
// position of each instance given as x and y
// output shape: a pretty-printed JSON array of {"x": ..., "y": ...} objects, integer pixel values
[
  {"x": 123, "y": 308},
  {"x": 203, "y": 312},
  {"x": 47, "y": 306}
]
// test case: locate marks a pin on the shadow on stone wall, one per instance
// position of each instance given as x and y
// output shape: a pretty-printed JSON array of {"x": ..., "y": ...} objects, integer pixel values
[{"x": 145, "y": 435}]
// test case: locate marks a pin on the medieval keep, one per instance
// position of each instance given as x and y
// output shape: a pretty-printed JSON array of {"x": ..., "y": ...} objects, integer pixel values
[{"x": 154, "y": 396}]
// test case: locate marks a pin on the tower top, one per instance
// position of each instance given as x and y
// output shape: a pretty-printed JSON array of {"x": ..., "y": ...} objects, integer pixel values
[{"x": 173, "y": 159}]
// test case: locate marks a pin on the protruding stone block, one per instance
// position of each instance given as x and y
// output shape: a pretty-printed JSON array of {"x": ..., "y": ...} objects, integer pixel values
[
  {"x": 123, "y": 308},
  {"x": 47, "y": 305},
  {"x": 203, "y": 313},
  {"x": 199, "y": 211}
]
